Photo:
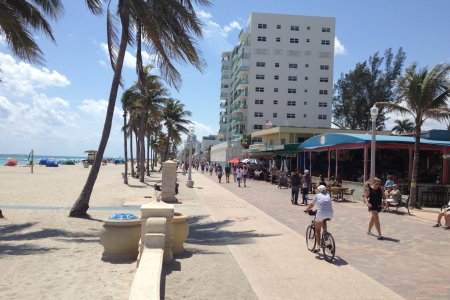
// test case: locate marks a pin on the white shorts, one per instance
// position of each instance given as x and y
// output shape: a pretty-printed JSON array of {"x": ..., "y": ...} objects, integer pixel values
[{"x": 320, "y": 217}]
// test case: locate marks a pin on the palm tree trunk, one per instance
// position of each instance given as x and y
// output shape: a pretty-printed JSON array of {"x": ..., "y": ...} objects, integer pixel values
[
  {"x": 142, "y": 148},
  {"x": 131, "y": 153},
  {"x": 138, "y": 152},
  {"x": 413, "y": 189},
  {"x": 81, "y": 205},
  {"x": 148, "y": 155},
  {"x": 125, "y": 177},
  {"x": 167, "y": 147}
]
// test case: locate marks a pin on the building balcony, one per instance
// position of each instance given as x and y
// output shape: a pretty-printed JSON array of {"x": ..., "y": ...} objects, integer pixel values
[
  {"x": 223, "y": 105},
  {"x": 241, "y": 96},
  {"x": 242, "y": 83},
  {"x": 242, "y": 71},
  {"x": 244, "y": 35}
]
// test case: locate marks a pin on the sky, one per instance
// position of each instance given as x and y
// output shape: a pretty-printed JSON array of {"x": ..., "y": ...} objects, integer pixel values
[{"x": 59, "y": 108}]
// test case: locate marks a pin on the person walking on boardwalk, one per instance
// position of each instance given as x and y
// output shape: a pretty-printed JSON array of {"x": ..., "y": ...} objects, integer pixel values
[
  {"x": 227, "y": 173},
  {"x": 306, "y": 184},
  {"x": 219, "y": 173},
  {"x": 375, "y": 200},
  {"x": 244, "y": 175},
  {"x": 239, "y": 174},
  {"x": 295, "y": 187},
  {"x": 234, "y": 170}
]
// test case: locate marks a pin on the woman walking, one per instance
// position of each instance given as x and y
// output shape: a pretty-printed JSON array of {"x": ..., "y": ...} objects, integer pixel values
[
  {"x": 239, "y": 174},
  {"x": 375, "y": 200},
  {"x": 219, "y": 173},
  {"x": 245, "y": 175}
]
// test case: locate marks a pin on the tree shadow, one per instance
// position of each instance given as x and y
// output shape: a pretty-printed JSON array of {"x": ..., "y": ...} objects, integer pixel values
[
  {"x": 23, "y": 249},
  {"x": 212, "y": 233},
  {"x": 13, "y": 233}
]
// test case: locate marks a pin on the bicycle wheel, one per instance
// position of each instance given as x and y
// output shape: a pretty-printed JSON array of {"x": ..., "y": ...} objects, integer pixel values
[
  {"x": 310, "y": 238},
  {"x": 328, "y": 247}
]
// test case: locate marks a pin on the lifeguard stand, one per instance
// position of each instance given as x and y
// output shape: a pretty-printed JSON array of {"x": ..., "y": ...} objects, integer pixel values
[{"x": 91, "y": 156}]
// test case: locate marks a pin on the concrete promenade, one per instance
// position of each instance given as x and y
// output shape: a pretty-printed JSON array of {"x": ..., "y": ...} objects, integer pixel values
[{"x": 248, "y": 243}]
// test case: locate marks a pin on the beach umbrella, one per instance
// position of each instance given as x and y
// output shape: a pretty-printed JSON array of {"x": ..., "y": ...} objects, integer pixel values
[
  {"x": 11, "y": 162},
  {"x": 234, "y": 160}
]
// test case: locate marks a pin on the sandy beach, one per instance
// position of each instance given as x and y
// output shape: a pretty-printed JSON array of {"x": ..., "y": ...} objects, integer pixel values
[{"x": 46, "y": 255}]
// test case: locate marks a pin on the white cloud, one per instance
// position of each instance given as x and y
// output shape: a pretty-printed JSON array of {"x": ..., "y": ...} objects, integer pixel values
[
  {"x": 212, "y": 28},
  {"x": 130, "y": 60},
  {"x": 203, "y": 130},
  {"x": 97, "y": 109},
  {"x": 339, "y": 48},
  {"x": 20, "y": 78}
]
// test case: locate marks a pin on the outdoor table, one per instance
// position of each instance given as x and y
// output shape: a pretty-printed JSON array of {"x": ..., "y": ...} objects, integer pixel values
[{"x": 339, "y": 192}]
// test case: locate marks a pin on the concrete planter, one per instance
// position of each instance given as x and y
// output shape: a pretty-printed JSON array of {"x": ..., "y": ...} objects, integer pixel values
[
  {"x": 180, "y": 232},
  {"x": 120, "y": 239}
]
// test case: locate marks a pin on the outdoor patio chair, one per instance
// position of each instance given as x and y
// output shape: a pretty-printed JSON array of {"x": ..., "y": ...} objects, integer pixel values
[
  {"x": 335, "y": 193},
  {"x": 349, "y": 194}
]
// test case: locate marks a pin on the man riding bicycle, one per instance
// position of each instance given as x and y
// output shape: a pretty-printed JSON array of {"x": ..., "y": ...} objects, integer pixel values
[{"x": 324, "y": 211}]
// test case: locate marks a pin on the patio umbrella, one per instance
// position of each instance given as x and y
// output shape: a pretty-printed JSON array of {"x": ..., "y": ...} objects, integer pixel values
[{"x": 234, "y": 160}]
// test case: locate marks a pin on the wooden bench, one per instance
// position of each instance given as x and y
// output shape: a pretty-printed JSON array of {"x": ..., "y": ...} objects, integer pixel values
[{"x": 404, "y": 202}]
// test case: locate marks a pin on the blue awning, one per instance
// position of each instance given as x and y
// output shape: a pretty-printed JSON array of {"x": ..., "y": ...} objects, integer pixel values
[{"x": 335, "y": 139}]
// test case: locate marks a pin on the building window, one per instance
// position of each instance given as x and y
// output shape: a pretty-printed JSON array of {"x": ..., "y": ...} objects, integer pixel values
[
  {"x": 304, "y": 115},
  {"x": 305, "y": 103},
  {"x": 259, "y": 101},
  {"x": 257, "y": 127},
  {"x": 291, "y": 103},
  {"x": 278, "y": 26},
  {"x": 276, "y": 77},
  {"x": 306, "y": 77},
  {"x": 325, "y": 42},
  {"x": 295, "y": 28},
  {"x": 293, "y": 41},
  {"x": 326, "y": 29},
  {"x": 307, "y": 40},
  {"x": 259, "y": 76},
  {"x": 283, "y": 141},
  {"x": 260, "y": 64},
  {"x": 262, "y": 26},
  {"x": 275, "y": 102},
  {"x": 277, "y": 65},
  {"x": 322, "y": 117},
  {"x": 306, "y": 90},
  {"x": 290, "y": 116},
  {"x": 292, "y": 78},
  {"x": 261, "y": 38},
  {"x": 278, "y": 39},
  {"x": 259, "y": 89},
  {"x": 308, "y": 28},
  {"x": 257, "y": 140},
  {"x": 323, "y": 79},
  {"x": 275, "y": 90},
  {"x": 275, "y": 115},
  {"x": 271, "y": 142},
  {"x": 293, "y": 66},
  {"x": 323, "y": 104},
  {"x": 306, "y": 65},
  {"x": 258, "y": 114},
  {"x": 323, "y": 92},
  {"x": 324, "y": 67},
  {"x": 292, "y": 91}
]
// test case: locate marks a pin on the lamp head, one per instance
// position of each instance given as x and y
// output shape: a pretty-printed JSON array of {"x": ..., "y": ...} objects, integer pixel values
[{"x": 374, "y": 111}]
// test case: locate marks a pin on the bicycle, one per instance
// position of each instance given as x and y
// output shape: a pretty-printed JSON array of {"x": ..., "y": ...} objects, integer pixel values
[{"x": 326, "y": 242}]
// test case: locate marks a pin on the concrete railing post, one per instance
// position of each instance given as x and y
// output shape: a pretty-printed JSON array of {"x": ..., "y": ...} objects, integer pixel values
[{"x": 169, "y": 180}]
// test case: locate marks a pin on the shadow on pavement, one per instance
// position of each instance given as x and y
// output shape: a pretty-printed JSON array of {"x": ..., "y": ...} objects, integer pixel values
[
  {"x": 23, "y": 249},
  {"x": 390, "y": 239},
  {"x": 211, "y": 233}
]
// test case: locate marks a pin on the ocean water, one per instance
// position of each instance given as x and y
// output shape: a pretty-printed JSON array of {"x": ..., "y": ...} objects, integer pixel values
[{"x": 22, "y": 159}]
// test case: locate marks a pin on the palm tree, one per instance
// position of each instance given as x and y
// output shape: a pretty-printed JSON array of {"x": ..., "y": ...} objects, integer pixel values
[
  {"x": 426, "y": 94},
  {"x": 168, "y": 30},
  {"x": 17, "y": 17},
  {"x": 403, "y": 126},
  {"x": 174, "y": 116}
]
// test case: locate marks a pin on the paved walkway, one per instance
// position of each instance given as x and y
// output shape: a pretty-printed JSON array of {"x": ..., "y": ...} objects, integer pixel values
[{"x": 259, "y": 235}]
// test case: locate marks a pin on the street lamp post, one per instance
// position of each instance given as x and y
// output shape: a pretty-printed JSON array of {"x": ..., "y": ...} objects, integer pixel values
[
  {"x": 373, "y": 114},
  {"x": 190, "y": 182},
  {"x": 183, "y": 165}
]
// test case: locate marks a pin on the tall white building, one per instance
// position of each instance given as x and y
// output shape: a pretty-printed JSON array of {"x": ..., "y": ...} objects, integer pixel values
[{"x": 280, "y": 74}]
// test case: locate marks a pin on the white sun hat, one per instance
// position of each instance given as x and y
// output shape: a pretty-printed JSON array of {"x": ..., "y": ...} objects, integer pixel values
[{"x": 321, "y": 188}]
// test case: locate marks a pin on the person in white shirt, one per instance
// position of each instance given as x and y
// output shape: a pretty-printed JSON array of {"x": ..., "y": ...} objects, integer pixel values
[
  {"x": 446, "y": 214},
  {"x": 239, "y": 173},
  {"x": 324, "y": 211}
]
